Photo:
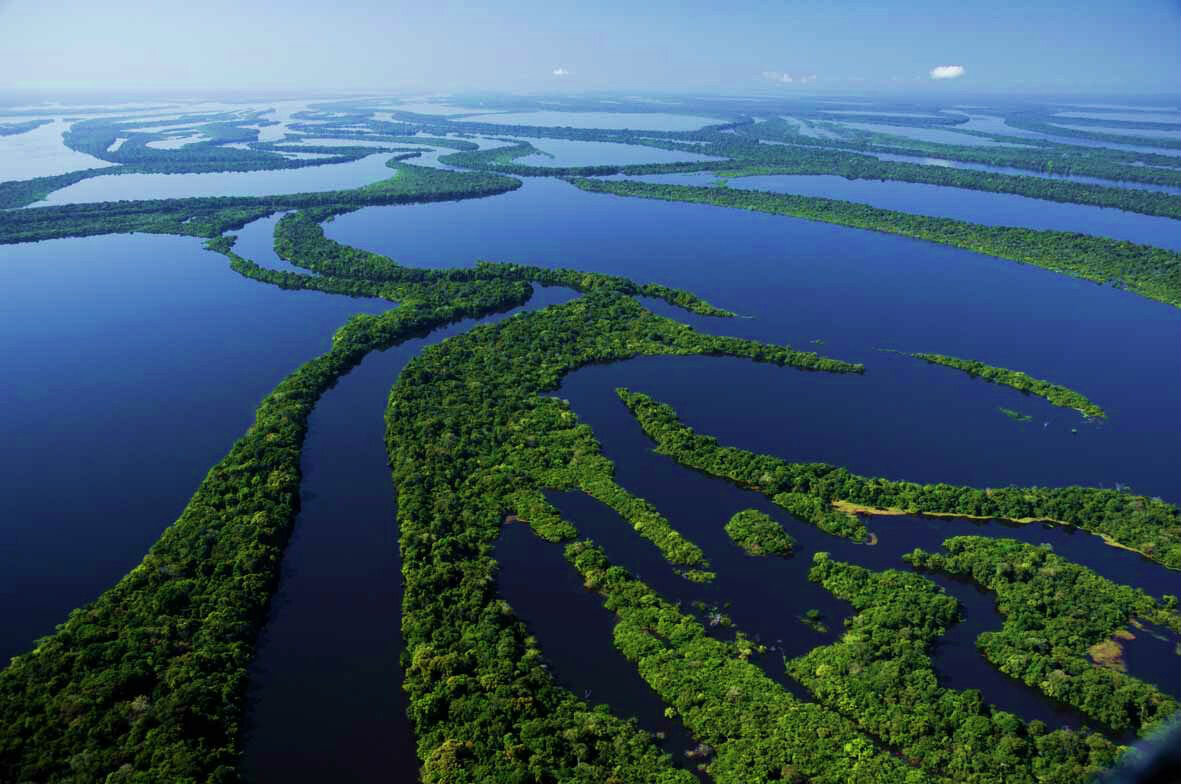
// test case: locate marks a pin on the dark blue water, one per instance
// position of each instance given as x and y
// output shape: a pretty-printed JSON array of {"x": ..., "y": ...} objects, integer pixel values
[
  {"x": 990, "y": 209},
  {"x": 327, "y": 675},
  {"x": 855, "y": 290},
  {"x": 132, "y": 364},
  {"x": 575, "y": 632}
]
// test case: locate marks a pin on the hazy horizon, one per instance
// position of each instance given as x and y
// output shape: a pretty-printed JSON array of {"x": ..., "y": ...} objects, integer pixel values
[{"x": 924, "y": 48}]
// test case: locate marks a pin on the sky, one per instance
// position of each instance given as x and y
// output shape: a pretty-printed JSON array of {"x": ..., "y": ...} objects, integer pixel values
[{"x": 1132, "y": 47}]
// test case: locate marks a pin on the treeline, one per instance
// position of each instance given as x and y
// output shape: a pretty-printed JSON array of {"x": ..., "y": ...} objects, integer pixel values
[
  {"x": 1054, "y": 610},
  {"x": 1145, "y": 270},
  {"x": 880, "y": 675},
  {"x": 1056, "y": 394},
  {"x": 209, "y": 217},
  {"x": 12, "y": 129},
  {"x": 300, "y": 240},
  {"x": 743, "y": 157},
  {"x": 1146, "y": 525},
  {"x": 1033, "y": 154},
  {"x": 1045, "y": 123},
  {"x": 782, "y": 159}
]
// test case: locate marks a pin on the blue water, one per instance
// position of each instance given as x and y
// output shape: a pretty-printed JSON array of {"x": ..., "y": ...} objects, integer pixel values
[
  {"x": 858, "y": 290},
  {"x": 340, "y": 597},
  {"x": 135, "y": 361},
  {"x": 990, "y": 209}
]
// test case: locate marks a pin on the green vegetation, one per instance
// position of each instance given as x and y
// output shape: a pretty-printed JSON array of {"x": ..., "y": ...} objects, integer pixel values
[
  {"x": 1054, "y": 611},
  {"x": 1037, "y": 155},
  {"x": 147, "y": 682},
  {"x": 759, "y": 534},
  {"x": 1045, "y": 123},
  {"x": 814, "y": 620},
  {"x": 471, "y": 441},
  {"x": 1145, "y": 270},
  {"x": 1015, "y": 415},
  {"x": 810, "y": 490},
  {"x": 879, "y": 675},
  {"x": 1058, "y": 395},
  {"x": 756, "y": 729},
  {"x": 761, "y": 159},
  {"x": 210, "y": 217},
  {"x": 743, "y": 157}
]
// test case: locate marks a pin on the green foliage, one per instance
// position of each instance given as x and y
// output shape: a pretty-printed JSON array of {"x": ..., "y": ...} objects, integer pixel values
[
  {"x": 1058, "y": 395},
  {"x": 808, "y": 490},
  {"x": 1016, "y": 152},
  {"x": 209, "y": 217},
  {"x": 1015, "y": 415},
  {"x": 1054, "y": 611},
  {"x": 780, "y": 159},
  {"x": 471, "y": 442},
  {"x": 758, "y": 731},
  {"x": 152, "y": 674},
  {"x": 759, "y": 534},
  {"x": 880, "y": 675}
]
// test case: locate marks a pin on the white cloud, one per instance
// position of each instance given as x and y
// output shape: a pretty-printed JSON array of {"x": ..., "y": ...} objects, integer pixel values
[
  {"x": 947, "y": 72},
  {"x": 559, "y": 71},
  {"x": 786, "y": 78}
]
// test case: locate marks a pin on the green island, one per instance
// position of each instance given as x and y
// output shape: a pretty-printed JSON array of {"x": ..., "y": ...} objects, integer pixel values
[
  {"x": 824, "y": 495},
  {"x": 880, "y": 676},
  {"x": 1015, "y": 415},
  {"x": 1142, "y": 269},
  {"x": 759, "y": 534},
  {"x": 1058, "y": 395},
  {"x": 1054, "y": 611}
]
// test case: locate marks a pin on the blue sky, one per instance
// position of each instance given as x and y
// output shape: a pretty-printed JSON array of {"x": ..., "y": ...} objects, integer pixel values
[{"x": 1131, "y": 47}]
